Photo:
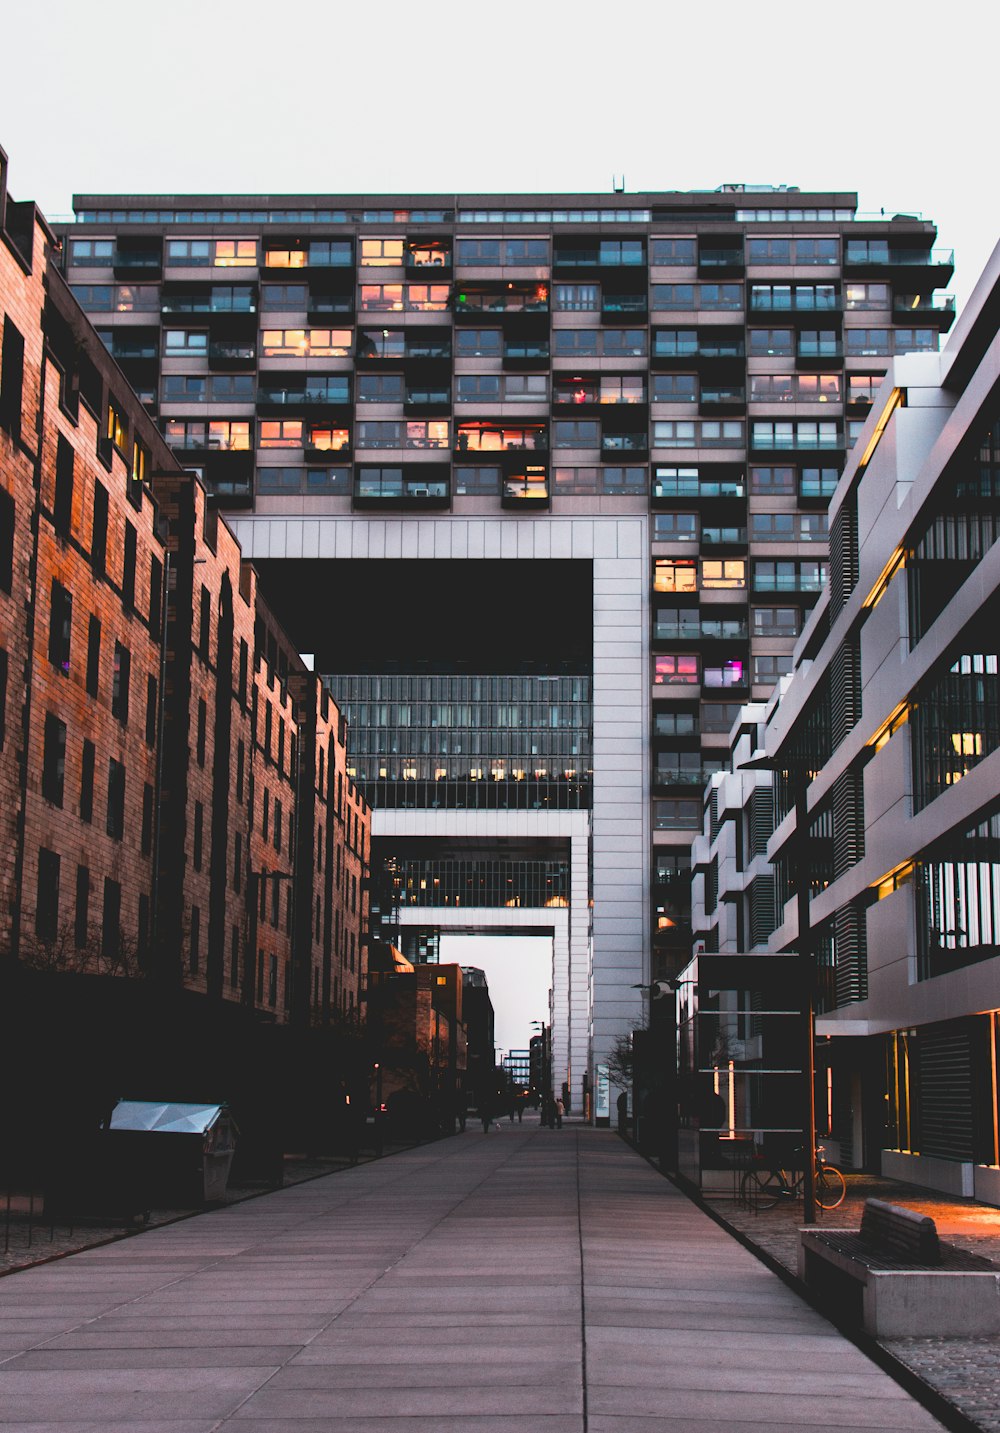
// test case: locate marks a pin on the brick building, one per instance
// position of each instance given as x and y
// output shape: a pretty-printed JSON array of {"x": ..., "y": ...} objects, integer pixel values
[{"x": 174, "y": 799}]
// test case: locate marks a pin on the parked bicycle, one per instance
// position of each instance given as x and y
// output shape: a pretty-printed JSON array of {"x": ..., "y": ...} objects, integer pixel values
[{"x": 766, "y": 1186}]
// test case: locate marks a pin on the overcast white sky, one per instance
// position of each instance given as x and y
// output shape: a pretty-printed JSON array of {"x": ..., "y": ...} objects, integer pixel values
[
  {"x": 519, "y": 971},
  {"x": 897, "y": 102}
]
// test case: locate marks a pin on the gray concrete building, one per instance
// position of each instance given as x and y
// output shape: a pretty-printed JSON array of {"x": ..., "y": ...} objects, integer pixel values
[{"x": 553, "y": 471}]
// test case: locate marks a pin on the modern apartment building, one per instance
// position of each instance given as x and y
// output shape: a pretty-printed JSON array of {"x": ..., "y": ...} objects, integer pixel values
[
  {"x": 565, "y": 461},
  {"x": 887, "y": 780}
]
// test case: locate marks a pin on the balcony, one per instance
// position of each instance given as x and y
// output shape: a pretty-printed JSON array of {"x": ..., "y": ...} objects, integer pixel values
[
  {"x": 937, "y": 309},
  {"x": 721, "y": 260},
  {"x": 427, "y": 400},
  {"x": 669, "y": 488},
  {"x": 727, "y": 676},
  {"x": 322, "y": 307},
  {"x": 428, "y": 257},
  {"x": 506, "y": 301},
  {"x": 728, "y": 399},
  {"x": 615, "y": 306},
  {"x": 495, "y": 438},
  {"x": 796, "y": 437},
  {"x": 613, "y": 445},
  {"x": 875, "y": 256},
  {"x": 231, "y": 356},
  {"x": 317, "y": 394},
  {"x": 138, "y": 263},
  {"x": 229, "y": 478},
  {"x": 713, "y": 537},
  {"x": 609, "y": 254},
  {"x": 395, "y": 487},
  {"x": 810, "y": 352},
  {"x": 527, "y": 489},
  {"x": 527, "y": 354},
  {"x": 696, "y": 776},
  {"x": 794, "y": 301}
]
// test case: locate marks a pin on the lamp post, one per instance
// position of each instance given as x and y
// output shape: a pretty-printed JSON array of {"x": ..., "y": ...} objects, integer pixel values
[{"x": 796, "y": 768}]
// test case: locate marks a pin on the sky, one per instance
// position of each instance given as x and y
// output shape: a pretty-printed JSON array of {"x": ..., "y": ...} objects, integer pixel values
[
  {"x": 519, "y": 972},
  {"x": 894, "y": 102},
  {"x": 196, "y": 96}
]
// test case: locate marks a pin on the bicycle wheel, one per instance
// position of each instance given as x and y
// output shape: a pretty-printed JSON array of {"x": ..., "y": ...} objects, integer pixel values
[
  {"x": 831, "y": 1187},
  {"x": 762, "y": 1188}
]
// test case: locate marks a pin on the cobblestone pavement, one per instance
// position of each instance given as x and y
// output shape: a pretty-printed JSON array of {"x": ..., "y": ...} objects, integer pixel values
[{"x": 964, "y": 1371}]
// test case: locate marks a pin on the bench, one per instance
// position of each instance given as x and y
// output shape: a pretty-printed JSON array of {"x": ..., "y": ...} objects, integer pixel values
[{"x": 895, "y": 1278}]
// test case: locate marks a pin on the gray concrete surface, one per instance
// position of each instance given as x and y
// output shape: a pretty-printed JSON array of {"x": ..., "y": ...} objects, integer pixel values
[{"x": 474, "y": 1284}]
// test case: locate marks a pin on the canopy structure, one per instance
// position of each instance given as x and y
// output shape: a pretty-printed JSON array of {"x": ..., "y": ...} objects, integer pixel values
[{"x": 173, "y": 1118}]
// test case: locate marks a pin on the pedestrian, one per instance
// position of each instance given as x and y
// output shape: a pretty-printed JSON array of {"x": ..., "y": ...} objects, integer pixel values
[
  {"x": 513, "y": 1108},
  {"x": 486, "y": 1115},
  {"x": 559, "y": 1113},
  {"x": 520, "y": 1110}
]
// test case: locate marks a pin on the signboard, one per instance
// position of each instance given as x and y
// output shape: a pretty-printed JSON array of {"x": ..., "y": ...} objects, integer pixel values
[{"x": 602, "y": 1094}]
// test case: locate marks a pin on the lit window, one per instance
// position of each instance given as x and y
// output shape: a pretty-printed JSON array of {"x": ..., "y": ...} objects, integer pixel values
[
  {"x": 676, "y": 669},
  {"x": 671, "y": 575},
  {"x": 285, "y": 259},
  {"x": 236, "y": 253},
  {"x": 382, "y": 297},
  {"x": 328, "y": 439},
  {"x": 228, "y": 436},
  {"x": 382, "y": 253},
  {"x": 728, "y": 572},
  {"x": 117, "y": 425}
]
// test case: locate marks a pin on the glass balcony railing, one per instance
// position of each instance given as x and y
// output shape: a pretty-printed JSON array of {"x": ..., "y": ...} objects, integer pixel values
[
  {"x": 691, "y": 487},
  {"x": 624, "y": 442},
  {"x": 720, "y": 258},
  {"x": 306, "y": 394},
  {"x": 723, "y": 396},
  {"x": 624, "y": 303},
  {"x": 723, "y": 536},
  {"x": 917, "y": 304}
]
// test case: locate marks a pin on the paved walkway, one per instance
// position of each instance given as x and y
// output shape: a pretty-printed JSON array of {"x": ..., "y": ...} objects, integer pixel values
[{"x": 474, "y": 1285}]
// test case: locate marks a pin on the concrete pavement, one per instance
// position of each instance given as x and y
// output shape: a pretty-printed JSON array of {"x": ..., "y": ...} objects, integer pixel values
[{"x": 470, "y": 1285}]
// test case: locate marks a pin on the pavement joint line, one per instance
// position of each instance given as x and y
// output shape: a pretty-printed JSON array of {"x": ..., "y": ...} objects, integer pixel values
[
  {"x": 583, "y": 1285},
  {"x": 924, "y": 1393},
  {"x": 373, "y": 1283}
]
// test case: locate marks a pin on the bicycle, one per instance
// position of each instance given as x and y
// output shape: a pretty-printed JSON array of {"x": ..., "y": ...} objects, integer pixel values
[{"x": 765, "y": 1187}]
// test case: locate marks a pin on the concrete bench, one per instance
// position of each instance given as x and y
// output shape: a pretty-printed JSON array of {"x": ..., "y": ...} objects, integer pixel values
[{"x": 896, "y": 1278}]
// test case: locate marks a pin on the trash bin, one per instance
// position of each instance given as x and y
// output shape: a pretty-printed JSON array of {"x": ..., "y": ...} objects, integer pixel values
[{"x": 179, "y": 1153}]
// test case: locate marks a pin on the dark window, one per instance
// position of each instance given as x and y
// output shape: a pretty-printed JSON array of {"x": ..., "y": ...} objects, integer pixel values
[
  {"x": 128, "y": 570},
  {"x": 205, "y": 623},
  {"x": 82, "y": 920},
  {"x": 11, "y": 379},
  {"x": 60, "y": 627},
  {"x": 199, "y": 829},
  {"x": 99, "y": 537},
  {"x": 155, "y": 596},
  {"x": 234, "y": 957},
  {"x": 277, "y": 824},
  {"x": 244, "y": 660},
  {"x": 265, "y": 824},
  {"x": 194, "y": 947},
  {"x": 54, "y": 760},
  {"x": 147, "y": 819},
  {"x": 47, "y": 903},
  {"x": 6, "y": 541},
  {"x": 240, "y": 760},
  {"x": 151, "y": 691},
  {"x": 3, "y": 696},
  {"x": 111, "y": 920},
  {"x": 116, "y": 799},
  {"x": 202, "y": 729},
  {"x": 267, "y": 731},
  {"x": 87, "y": 781},
  {"x": 93, "y": 656},
  {"x": 120, "y": 683},
  {"x": 62, "y": 512}
]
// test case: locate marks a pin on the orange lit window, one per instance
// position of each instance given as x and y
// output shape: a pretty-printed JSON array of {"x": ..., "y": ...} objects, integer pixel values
[
  {"x": 330, "y": 342},
  {"x": 284, "y": 434},
  {"x": 427, "y": 298},
  {"x": 229, "y": 437},
  {"x": 329, "y": 439},
  {"x": 117, "y": 426},
  {"x": 284, "y": 343},
  {"x": 285, "y": 259},
  {"x": 731, "y": 572},
  {"x": 427, "y": 435},
  {"x": 679, "y": 576},
  {"x": 382, "y": 253},
  {"x": 382, "y": 298},
  {"x": 236, "y": 253}
]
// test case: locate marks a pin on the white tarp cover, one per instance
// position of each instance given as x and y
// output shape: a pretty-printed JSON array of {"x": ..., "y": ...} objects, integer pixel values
[{"x": 170, "y": 1119}]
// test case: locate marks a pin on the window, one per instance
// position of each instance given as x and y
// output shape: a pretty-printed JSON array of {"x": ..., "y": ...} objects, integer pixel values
[
  {"x": 675, "y": 342},
  {"x": 525, "y": 253},
  {"x": 916, "y": 340},
  {"x": 99, "y": 531},
  {"x": 727, "y": 572},
  {"x": 280, "y": 433},
  {"x": 682, "y": 815},
  {"x": 93, "y": 656},
  {"x": 376, "y": 434},
  {"x": 94, "y": 298},
  {"x": 576, "y": 342},
  {"x": 204, "y": 623},
  {"x": 776, "y": 621},
  {"x": 60, "y": 628},
  {"x": 676, "y": 296},
  {"x": 306, "y": 343},
  {"x": 772, "y": 526},
  {"x": 576, "y": 435},
  {"x": 54, "y": 760},
  {"x": 6, "y": 541},
  {"x": 485, "y": 253},
  {"x": 771, "y": 343},
  {"x": 768, "y": 667},
  {"x": 116, "y": 800},
  {"x": 725, "y": 674},
  {"x": 194, "y": 941},
  {"x": 802, "y": 434},
  {"x": 769, "y": 251},
  {"x": 773, "y": 482},
  {"x": 47, "y": 900},
  {"x": 797, "y": 297},
  {"x": 381, "y": 298},
  {"x": 675, "y": 575},
  {"x": 128, "y": 568},
  {"x": 427, "y": 298},
  {"x": 91, "y": 253},
  {"x": 472, "y": 481},
  {"x": 184, "y": 388},
  {"x": 525, "y": 388},
  {"x": 87, "y": 781},
  {"x": 62, "y": 508},
  {"x": 120, "y": 683},
  {"x": 428, "y": 434},
  {"x": 477, "y": 343},
  {"x": 676, "y": 669},
  {"x": 866, "y": 342},
  {"x": 111, "y": 920},
  {"x": 381, "y": 253},
  {"x": 146, "y": 835},
  {"x": 81, "y": 922},
  {"x": 674, "y": 434},
  {"x": 624, "y": 342},
  {"x": 675, "y": 388},
  {"x": 189, "y": 253},
  {"x": 291, "y": 298},
  {"x": 277, "y": 824},
  {"x": 867, "y": 296},
  {"x": 680, "y": 253},
  {"x": 235, "y": 253},
  {"x": 576, "y": 297},
  {"x": 675, "y": 527},
  {"x": 380, "y": 387},
  {"x": 178, "y": 342},
  {"x": 789, "y": 576},
  {"x": 151, "y": 710}
]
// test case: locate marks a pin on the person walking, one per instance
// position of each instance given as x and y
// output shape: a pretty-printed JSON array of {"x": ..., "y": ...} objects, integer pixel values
[
  {"x": 560, "y": 1110},
  {"x": 486, "y": 1115}
]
